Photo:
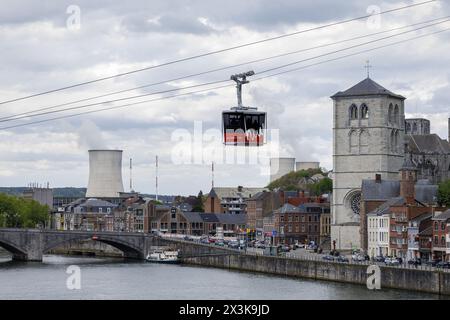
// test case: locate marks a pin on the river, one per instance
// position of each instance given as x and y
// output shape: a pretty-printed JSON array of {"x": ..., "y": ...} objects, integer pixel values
[{"x": 113, "y": 278}]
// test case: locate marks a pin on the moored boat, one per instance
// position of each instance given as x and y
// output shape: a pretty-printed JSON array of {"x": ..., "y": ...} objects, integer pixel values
[{"x": 163, "y": 256}]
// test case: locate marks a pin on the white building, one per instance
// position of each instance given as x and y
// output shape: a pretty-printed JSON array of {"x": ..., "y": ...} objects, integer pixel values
[
  {"x": 368, "y": 135},
  {"x": 378, "y": 234}
]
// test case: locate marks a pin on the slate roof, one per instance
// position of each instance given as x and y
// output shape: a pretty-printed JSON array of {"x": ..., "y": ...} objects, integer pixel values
[
  {"x": 288, "y": 208},
  {"x": 443, "y": 216},
  {"x": 427, "y": 143},
  {"x": 366, "y": 87},
  {"x": 383, "y": 190},
  {"x": 426, "y": 193},
  {"x": 92, "y": 202},
  {"x": 224, "y": 218},
  {"x": 384, "y": 208},
  {"x": 233, "y": 192},
  {"x": 426, "y": 232}
]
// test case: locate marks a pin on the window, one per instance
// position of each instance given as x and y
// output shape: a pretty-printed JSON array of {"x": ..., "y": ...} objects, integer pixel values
[
  {"x": 303, "y": 218},
  {"x": 364, "y": 112},
  {"x": 391, "y": 114},
  {"x": 396, "y": 115},
  {"x": 442, "y": 226},
  {"x": 100, "y": 210},
  {"x": 108, "y": 210},
  {"x": 435, "y": 240},
  {"x": 436, "y": 226},
  {"x": 290, "y": 228},
  {"x": 353, "y": 112},
  {"x": 303, "y": 228},
  {"x": 290, "y": 218}
]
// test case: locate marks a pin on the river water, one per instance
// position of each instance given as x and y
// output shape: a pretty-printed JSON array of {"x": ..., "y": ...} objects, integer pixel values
[{"x": 110, "y": 278}]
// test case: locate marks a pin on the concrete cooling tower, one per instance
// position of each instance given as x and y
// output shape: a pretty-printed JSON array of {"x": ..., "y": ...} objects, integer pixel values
[
  {"x": 281, "y": 166},
  {"x": 105, "y": 174}
]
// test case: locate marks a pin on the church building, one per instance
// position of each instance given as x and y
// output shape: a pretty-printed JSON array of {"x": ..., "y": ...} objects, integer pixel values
[{"x": 368, "y": 137}]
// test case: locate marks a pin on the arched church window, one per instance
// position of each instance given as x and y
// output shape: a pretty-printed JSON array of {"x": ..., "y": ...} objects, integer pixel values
[
  {"x": 353, "y": 112},
  {"x": 392, "y": 141},
  {"x": 390, "y": 113},
  {"x": 354, "y": 141},
  {"x": 408, "y": 127},
  {"x": 364, "y": 141},
  {"x": 364, "y": 111},
  {"x": 396, "y": 115}
]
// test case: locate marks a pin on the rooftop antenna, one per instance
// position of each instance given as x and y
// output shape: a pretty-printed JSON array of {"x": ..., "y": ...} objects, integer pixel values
[
  {"x": 212, "y": 174},
  {"x": 131, "y": 175},
  {"x": 240, "y": 79},
  {"x": 156, "y": 184},
  {"x": 367, "y": 67}
]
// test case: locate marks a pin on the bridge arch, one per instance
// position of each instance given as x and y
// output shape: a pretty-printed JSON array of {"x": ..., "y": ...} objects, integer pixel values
[
  {"x": 129, "y": 249},
  {"x": 12, "y": 248}
]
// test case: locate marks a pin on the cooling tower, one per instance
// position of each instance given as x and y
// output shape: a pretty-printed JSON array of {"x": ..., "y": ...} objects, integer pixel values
[
  {"x": 105, "y": 174},
  {"x": 281, "y": 166},
  {"x": 302, "y": 165}
]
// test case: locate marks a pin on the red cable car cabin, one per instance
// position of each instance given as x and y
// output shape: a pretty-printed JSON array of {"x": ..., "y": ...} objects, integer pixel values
[{"x": 244, "y": 127}]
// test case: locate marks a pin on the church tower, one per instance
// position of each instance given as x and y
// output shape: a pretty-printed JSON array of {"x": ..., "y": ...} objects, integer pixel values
[{"x": 368, "y": 135}]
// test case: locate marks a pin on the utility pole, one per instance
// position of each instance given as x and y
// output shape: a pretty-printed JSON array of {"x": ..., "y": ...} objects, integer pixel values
[
  {"x": 156, "y": 184},
  {"x": 131, "y": 175}
]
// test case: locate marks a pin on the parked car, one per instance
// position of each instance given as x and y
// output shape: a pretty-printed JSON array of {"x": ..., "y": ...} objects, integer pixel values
[
  {"x": 415, "y": 262},
  {"x": 220, "y": 243},
  {"x": 211, "y": 240},
  {"x": 432, "y": 263},
  {"x": 379, "y": 259},
  {"x": 299, "y": 245},
  {"x": 204, "y": 240},
  {"x": 260, "y": 245},
  {"x": 342, "y": 259},
  {"x": 328, "y": 258},
  {"x": 358, "y": 258},
  {"x": 233, "y": 244},
  {"x": 391, "y": 261},
  {"x": 284, "y": 248},
  {"x": 443, "y": 265}
]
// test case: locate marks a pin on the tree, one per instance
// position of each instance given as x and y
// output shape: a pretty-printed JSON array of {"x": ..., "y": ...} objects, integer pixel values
[
  {"x": 198, "y": 206},
  {"x": 323, "y": 186},
  {"x": 444, "y": 193},
  {"x": 21, "y": 213}
]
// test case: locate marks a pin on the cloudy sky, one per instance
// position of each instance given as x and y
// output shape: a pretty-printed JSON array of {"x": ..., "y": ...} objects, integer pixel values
[{"x": 46, "y": 45}]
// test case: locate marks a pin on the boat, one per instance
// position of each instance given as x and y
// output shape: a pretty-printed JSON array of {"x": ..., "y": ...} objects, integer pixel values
[{"x": 163, "y": 256}]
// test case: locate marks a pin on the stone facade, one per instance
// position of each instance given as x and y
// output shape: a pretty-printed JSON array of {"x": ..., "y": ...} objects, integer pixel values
[{"x": 368, "y": 135}]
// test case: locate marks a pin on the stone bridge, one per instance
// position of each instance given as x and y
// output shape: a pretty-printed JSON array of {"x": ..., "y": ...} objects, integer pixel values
[{"x": 32, "y": 244}]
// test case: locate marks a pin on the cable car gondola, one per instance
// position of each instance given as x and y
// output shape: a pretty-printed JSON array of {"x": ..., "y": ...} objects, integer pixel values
[{"x": 243, "y": 125}]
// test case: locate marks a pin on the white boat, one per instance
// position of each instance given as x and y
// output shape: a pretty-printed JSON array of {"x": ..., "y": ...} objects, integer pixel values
[{"x": 163, "y": 256}]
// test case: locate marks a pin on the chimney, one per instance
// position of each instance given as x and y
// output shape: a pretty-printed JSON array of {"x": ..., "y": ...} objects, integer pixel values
[
  {"x": 378, "y": 178},
  {"x": 408, "y": 178},
  {"x": 240, "y": 188}
]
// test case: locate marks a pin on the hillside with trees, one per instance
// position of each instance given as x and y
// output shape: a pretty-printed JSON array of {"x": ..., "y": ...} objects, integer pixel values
[{"x": 313, "y": 181}]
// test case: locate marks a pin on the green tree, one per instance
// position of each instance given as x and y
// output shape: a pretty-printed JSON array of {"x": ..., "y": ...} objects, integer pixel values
[
  {"x": 21, "y": 213},
  {"x": 323, "y": 186},
  {"x": 444, "y": 193},
  {"x": 198, "y": 207}
]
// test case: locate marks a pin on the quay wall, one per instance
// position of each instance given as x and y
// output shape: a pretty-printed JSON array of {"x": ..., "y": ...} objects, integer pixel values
[{"x": 437, "y": 282}]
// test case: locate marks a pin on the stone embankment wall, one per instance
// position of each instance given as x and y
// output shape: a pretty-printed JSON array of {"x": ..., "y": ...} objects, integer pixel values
[{"x": 437, "y": 282}]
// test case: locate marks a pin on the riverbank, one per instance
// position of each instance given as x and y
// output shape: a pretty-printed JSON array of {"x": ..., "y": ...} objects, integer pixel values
[{"x": 436, "y": 282}]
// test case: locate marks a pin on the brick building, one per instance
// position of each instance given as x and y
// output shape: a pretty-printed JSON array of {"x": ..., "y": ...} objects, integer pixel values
[{"x": 229, "y": 200}]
